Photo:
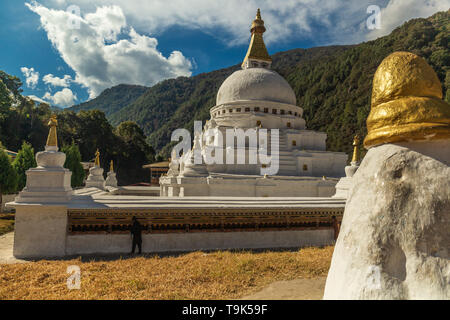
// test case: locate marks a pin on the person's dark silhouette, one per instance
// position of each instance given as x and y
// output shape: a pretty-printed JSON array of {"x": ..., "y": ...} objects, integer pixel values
[{"x": 136, "y": 232}]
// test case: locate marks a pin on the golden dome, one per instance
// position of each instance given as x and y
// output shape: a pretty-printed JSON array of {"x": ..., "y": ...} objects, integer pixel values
[{"x": 406, "y": 102}]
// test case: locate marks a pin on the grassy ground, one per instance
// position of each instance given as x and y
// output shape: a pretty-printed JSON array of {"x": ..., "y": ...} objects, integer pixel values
[
  {"x": 198, "y": 275},
  {"x": 6, "y": 223}
]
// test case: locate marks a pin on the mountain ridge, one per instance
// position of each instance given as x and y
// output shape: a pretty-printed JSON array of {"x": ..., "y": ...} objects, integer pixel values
[
  {"x": 112, "y": 99},
  {"x": 332, "y": 84}
]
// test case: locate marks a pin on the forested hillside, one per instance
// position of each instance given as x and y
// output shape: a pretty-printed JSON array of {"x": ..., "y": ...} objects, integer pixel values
[
  {"x": 22, "y": 120},
  {"x": 333, "y": 85},
  {"x": 112, "y": 99}
]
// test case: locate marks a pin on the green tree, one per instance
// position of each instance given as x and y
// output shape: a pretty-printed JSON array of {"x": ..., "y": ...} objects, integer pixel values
[
  {"x": 8, "y": 176},
  {"x": 24, "y": 161},
  {"x": 134, "y": 153},
  {"x": 73, "y": 163}
]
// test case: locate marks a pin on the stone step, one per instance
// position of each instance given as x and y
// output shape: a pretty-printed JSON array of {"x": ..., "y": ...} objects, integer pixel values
[
  {"x": 287, "y": 164},
  {"x": 283, "y": 152},
  {"x": 288, "y": 168},
  {"x": 287, "y": 173}
]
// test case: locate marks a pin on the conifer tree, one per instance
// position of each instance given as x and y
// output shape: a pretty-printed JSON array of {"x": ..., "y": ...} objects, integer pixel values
[
  {"x": 73, "y": 163},
  {"x": 24, "y": 161},
  {"x": 8, "y": 176}
]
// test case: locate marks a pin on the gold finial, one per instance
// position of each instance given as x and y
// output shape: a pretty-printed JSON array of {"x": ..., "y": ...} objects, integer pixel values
[
  {"x": 111, "y": 166},
  {"x": 258, "y": 14},
  {"x": 406, "y": 102},
  {"x": 257, "y": 49},
  {"x": 97, "y": 158},
  {"x": 52, "y": 139},
  {"x": 356, "y": 141}
]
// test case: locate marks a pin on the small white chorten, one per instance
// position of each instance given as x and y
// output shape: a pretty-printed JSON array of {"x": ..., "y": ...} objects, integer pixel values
[
  {"x": 50, "y": 182},
  {"x": 95, "y": 178},
  {"x": 345, "y": 183},
  {"x": 111, "y": 180}
]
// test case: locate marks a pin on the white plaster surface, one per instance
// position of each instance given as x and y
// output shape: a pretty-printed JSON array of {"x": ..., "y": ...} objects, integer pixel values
[
  {"x": 40, "y": 231},
  {"x": 95, "y": 198},
  {"x": 229, "y": 185},
  {"x": 95, "y": 178},
  {"x": 394, "y": 241},
  {"x": 46, "y": 185},
  {"x": 88, "y": 244},
  {"x": 256, "y": 84},
  {"x": 111, "y": 180},
  {"x": 5, "y": 198}
]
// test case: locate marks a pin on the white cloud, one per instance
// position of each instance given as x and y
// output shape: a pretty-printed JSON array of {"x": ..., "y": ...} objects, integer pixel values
[
  {"x": 99, "y": 57},
  {"x": 106, "y": 50},
  {"x": 36, "y": 99},
  {"x": 400, "y": 11},
  {"x": 32, "y": 77},
  {"x": 323, "y": 22},
  {"x": 56, "y": 81},
  {"x": 63, "y": 98}
]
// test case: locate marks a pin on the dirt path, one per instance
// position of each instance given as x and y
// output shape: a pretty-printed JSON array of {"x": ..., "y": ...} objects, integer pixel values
[
  {"x": 299, "y": 289},
  {"x": 6, "y": 249}
]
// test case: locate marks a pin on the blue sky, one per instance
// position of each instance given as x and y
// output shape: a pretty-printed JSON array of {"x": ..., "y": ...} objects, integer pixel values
[{"x": 67, "y": 52}]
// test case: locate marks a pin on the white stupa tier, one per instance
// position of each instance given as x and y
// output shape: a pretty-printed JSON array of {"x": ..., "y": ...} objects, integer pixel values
[{"x": 258, "y": 98}]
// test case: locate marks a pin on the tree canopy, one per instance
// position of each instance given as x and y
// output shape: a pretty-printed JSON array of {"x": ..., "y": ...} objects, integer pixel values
[
  {"x": 24, "y": 161},
  {"x": 8, "y": 176},
  {"x": 73, "y": 163}
]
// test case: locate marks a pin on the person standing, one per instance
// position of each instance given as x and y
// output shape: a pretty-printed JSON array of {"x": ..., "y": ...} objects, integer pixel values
[{"x": 136, "y": 232}]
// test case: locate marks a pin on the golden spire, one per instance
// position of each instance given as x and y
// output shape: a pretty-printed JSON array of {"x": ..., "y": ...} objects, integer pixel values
[
  {"x": 257, "y": 49},
  {"x": 52, "y": 139},
  {"x": 406, "y": 102},
  {"x": 97, "y": 158},
  {"x": 111, "y": 166},
  {"x": 355, "y": 149}
]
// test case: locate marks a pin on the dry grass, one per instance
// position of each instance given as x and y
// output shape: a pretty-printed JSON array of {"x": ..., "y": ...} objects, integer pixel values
[
  {"x": 216, "y": 275},
  {"x": 6, "y": 223}
]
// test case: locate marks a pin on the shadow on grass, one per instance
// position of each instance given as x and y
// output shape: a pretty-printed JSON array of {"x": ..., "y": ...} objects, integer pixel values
[{"x": 125, "y": 256}]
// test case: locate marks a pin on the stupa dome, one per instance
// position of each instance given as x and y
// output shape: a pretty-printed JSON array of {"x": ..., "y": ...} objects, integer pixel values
[
  {"x": 256, "y": 84},
  {"x": 406, "y": 102}
]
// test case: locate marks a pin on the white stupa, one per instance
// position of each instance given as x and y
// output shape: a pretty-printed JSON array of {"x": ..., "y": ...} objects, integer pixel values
[
  {"x": 258, "y": 100},
  {"x": 49, "y": 182},
  {"x": 111, "y": 179},
  {"x": 95, "y": 178}
]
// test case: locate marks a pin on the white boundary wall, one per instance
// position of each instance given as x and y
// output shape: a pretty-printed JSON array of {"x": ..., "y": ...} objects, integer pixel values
[
  {"x": 41, "y": 230},
  {"x": 176, "y": 242}
]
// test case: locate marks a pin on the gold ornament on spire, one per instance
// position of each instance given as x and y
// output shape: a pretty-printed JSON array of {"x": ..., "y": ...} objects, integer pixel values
[
  {"x": 257, "y": 49},
  {"x": 356, "y": 141},
  {"x": 97, "y": 158},
  {"x": 407, "y": 102},
  {"x": 111, "y": 166},
  {"x": 52, "y": 139}
]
